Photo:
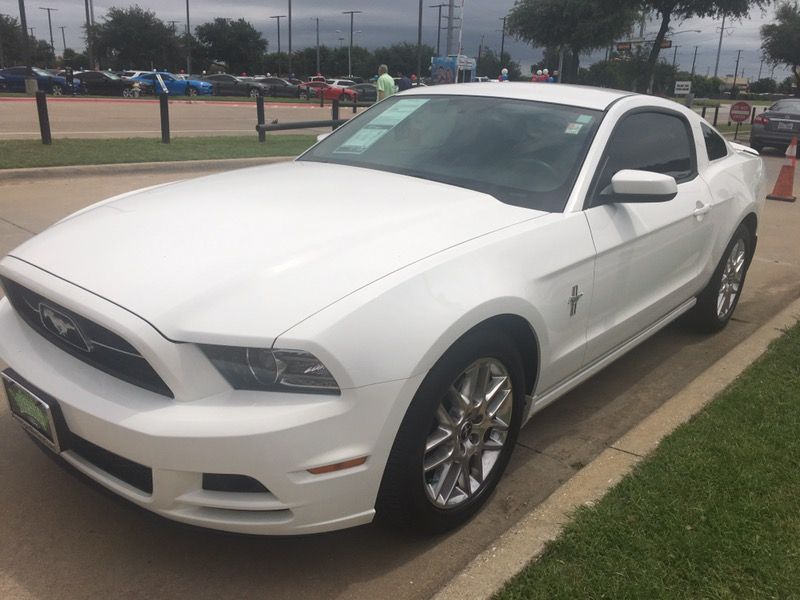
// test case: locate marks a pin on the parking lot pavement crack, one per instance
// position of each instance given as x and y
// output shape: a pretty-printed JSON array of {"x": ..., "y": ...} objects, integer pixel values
[{"x": 25, "y": 229}]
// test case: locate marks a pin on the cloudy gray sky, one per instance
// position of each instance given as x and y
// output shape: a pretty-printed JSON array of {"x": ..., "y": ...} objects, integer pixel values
[{"x": 384, "y": 22}]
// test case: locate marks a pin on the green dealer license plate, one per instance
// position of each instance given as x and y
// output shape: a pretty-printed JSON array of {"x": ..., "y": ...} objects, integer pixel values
[{"x": 34, "y": 413}]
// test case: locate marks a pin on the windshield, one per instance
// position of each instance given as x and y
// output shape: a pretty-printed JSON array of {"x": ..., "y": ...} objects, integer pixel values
[
  {"x": 40, "y": 72},
  {"x": 112, "y": 75},
  {"x": 521, "y": 152}
]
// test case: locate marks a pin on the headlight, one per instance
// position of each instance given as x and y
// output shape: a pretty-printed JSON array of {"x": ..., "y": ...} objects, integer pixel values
[{"x": 266, "y": 369}]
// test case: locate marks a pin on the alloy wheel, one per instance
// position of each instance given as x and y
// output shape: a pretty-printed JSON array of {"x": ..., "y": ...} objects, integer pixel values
[
  {"x": 468, "y": 434},
  {"x": 731, "y": 282},
  {"x": 56, "y": 90}
]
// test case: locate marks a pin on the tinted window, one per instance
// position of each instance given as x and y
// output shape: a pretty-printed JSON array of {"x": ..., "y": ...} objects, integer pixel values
[
  {"x": 648, "y": 141},
  {"x": 715, "y": 145},
  {"x": 16, "y": 70},
  {"x": 521, "y": 152}
]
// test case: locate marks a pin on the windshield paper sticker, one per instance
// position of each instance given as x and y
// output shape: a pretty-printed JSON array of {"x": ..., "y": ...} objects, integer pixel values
[{"x": 365, "y": 137}]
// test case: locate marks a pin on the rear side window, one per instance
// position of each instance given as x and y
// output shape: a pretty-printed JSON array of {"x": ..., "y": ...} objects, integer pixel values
[
  {"x": 715, "y": 145},
  {"x": 648, "y": 141}
]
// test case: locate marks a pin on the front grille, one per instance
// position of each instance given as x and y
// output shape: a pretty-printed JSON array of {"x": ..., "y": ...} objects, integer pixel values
[
  {"x": 130, "y": 472},
  {"x": 84, "y": 339}
]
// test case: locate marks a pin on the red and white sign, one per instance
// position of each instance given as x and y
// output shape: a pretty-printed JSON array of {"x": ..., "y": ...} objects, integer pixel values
[{"x": 740, "y": 112}]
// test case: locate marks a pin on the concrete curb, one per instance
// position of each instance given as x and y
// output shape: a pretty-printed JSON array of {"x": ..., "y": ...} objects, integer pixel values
[
  {"x": 486, "y": 574},
  {"x": 182, "y": 166}
]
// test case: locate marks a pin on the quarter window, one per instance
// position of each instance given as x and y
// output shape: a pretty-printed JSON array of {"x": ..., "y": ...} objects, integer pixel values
[
  {"x": 648, "y": 141},
  {"x": 715, "y": 145}
]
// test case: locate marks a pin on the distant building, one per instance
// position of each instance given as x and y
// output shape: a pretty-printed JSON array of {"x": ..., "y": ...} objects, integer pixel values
[{"x": 742, "y": 83}]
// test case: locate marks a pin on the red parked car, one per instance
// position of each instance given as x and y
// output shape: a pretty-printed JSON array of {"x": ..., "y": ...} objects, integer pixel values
[{"x": 312, "y": 89}]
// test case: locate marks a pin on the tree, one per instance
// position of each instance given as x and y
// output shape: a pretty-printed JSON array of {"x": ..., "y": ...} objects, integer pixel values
[
  {"x": 10, "y": 41},
  {"x": 764, "y": 86},
  {"x": 237, "y": 43},
  {"x": 575, "y": 26},
  {"x": 135, "y": 38},
  {"x": 780, "y": 40},
  {"x": 677, "y": 10},
  {"x": 490, "y": 65},
  {"x": 403, "y": 58}
]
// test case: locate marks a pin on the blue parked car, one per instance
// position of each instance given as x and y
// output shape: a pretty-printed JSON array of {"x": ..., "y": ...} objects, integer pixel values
[
  {"x": 175, "y": 85},
  {"x": 14, "y": 78}
]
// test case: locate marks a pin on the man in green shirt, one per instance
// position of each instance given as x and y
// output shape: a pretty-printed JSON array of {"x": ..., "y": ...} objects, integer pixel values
[{"x": 385, "y": 83}]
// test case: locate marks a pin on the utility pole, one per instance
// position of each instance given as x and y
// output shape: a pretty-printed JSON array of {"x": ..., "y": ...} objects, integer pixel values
[
  {"x": 188, "y": 41},
  {"x": 451, "y": 11},
  {"x": 735, "y": 73},
  {"x": 503, "y": 41},
  {"x": 290, "y": 37},
  {"x": 32, "y": 29},
  {"x": 317, "y": 20},
  {"x": 419, "y": 42},
  {"x": 694, "y": 60},
  {"x": 50, "y": 25},
  {"x": 88, "y": 35},
  {"x": 760, "y": 66},
  {"x": 675, "y": 57},
  {"x": 719, "y": 46},
  {"x": 26, "y": 47},
  {"x": 63, "y": 37},
  {"x": 350, "y": 48},
  {"x": 438, "y": 28},
  {"x": 480, "y": 51}
]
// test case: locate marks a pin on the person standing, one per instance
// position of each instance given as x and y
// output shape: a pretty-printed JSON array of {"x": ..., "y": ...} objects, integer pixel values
[
  {"x": 403, "y": 83},
  {"x": 385, "y": 83}
]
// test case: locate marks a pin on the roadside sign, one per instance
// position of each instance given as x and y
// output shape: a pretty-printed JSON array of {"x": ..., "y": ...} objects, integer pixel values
[
  {"x": 683, "y": 88},
  {"x": 666, "y": 44},
  {"x": 740, "y": 112},
  {"x": 623, "y": 46}
]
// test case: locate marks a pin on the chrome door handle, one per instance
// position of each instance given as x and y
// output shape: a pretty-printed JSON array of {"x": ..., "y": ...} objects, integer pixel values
[{"x": 701, "y": 210}]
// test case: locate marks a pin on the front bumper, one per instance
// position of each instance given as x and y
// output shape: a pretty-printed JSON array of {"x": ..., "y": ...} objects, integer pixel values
[{"x": 210, "y": 428}]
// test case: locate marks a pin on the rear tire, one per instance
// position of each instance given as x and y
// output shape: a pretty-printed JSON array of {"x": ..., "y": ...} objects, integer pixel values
[
  {"x": 756, "y": 146},
  {"x": 456, "y": 437},
  {"x": 191, "y": 92},
  {"x": 56, "y": 90},
  {"x": 718, "y": 300}
]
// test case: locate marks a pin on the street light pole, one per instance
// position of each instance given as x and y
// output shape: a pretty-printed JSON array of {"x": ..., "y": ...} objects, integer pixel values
[
  {"x": 438, "y": 28},
  {"x": 419, "y": 41},
  {"x": 50, "y": 25},
  {"x": 350, "y": 48},
  {"x": 675, "y": 56},
  {"x": 188, "y": 41},
  {"x": 290, "y": 37},
  {"x": 63, "y": 37},
  {"x": 278, "y": 19}
]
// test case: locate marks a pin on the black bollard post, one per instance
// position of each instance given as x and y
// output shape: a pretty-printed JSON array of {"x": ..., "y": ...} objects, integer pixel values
[
  {"x": 44, "y": 118},
  {"x": 262, "y": 135},
  {"x": 321, "y": 98},
  {"x": 163, "y": 101},
  {"x": 716, "y": 115},
  {"x": 703, "y": 113},
  {"x": 334, "y": 112}
]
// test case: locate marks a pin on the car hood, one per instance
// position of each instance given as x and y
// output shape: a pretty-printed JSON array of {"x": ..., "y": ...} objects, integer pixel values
[{"x": 240, "y": 257}]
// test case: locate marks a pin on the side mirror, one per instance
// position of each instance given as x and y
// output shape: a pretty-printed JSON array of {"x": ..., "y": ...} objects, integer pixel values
[
  {"x": 630, "y": 185},
  {"x": 322, "y": 136}
]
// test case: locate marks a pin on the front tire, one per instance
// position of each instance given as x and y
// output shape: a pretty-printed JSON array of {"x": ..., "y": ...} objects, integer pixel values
[
  {"x": 56, "y": 90},
  {"x": 457, "y": 435},
  {"x": 718, "y": 300},
  {"x": 127, "y": 92},
  {"x": 254, "y": 93},
  {"x": 191, "y": 92}
]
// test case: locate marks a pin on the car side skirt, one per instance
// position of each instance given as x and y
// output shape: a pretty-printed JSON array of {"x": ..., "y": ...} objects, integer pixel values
[{"x": 540, "y": 401}]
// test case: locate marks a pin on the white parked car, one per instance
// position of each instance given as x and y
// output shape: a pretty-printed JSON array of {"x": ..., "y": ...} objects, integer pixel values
[{"x": 259, "y": 360}]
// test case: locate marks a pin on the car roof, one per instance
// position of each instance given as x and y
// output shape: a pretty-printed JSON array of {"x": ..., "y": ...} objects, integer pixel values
[{"x": 572, "y": 95}]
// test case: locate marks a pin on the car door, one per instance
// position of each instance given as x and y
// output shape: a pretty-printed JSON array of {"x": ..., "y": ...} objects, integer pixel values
[
  {"x": 15, "y": 78},
  {"x": 650, "y": 255}
]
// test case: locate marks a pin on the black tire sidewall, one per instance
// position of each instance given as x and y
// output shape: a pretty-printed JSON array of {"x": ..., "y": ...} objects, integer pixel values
[{"x": 402, "y": 499}]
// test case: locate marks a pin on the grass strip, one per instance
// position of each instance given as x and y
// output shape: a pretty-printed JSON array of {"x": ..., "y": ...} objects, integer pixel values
[
  {"x": 32, "y": 153},
  {"x": 714, "y": 512}
]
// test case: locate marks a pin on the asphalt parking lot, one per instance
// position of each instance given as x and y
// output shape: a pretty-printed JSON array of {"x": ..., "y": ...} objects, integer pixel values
[
  {"x": 107, "y": 118},
  {"x": 66, "y": 538}
]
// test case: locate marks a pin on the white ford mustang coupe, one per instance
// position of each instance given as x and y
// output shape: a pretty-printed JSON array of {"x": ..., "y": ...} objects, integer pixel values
[{"x": 236, "y": 353}]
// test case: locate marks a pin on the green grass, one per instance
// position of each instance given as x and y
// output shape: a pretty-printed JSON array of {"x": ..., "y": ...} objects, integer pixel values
[
  {"x": 714, "y": 512},
  {"x": 32, "y": 153}
]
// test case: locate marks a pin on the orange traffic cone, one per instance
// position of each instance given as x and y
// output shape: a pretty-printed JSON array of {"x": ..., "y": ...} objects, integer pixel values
[{"x": 784, "y": 186}]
